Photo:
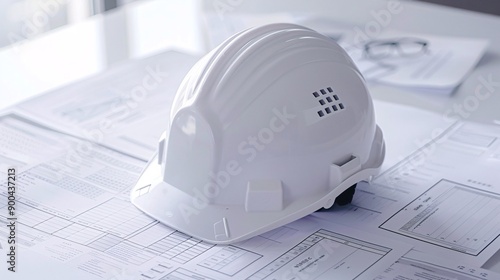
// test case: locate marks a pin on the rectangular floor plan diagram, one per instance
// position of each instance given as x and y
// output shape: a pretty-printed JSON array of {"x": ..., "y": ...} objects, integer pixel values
[{"x": 450, "y": 215}]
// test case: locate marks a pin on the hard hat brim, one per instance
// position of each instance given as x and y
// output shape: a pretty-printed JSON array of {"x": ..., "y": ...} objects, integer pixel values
[{"x": 225, "y": 224}]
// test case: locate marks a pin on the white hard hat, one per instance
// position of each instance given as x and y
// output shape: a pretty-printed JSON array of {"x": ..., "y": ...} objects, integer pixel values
[{"x": 270, "y": 126}]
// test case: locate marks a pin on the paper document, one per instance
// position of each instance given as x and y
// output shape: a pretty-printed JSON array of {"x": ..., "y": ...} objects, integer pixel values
[
  {"x": 419, "y": 266},
  {"x": 420, "y": 61},
  {"x": 425, "y": 125},
  {"x": 443, "y": 198},
  {"x": 126, "y": 107},
  {"x": 74, "y": 207}
]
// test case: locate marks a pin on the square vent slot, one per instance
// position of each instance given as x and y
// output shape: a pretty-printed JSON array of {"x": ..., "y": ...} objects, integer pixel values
[{"x": 329, "y": 101}]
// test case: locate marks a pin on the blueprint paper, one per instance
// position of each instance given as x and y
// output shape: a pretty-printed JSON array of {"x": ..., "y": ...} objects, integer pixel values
[
  {"x": 417, "y": 265},
  {"x": 443, "y": 198},
  {"x": 77, "y": 212},
  {"x": 425, "y": 126},
  {"x": 126, "y": 107}
]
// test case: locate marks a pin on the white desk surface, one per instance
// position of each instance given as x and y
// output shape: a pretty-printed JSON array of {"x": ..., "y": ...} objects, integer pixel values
[{"x": 146, "y": 27}]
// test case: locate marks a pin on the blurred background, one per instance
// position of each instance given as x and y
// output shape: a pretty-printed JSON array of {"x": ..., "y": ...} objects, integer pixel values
[
  {"x": 47, "y": 44},
  {"x": 25, "y": 19}
]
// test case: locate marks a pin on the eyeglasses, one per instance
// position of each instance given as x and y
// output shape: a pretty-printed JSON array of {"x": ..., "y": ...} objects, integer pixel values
[{"x": 404, "y": 47}]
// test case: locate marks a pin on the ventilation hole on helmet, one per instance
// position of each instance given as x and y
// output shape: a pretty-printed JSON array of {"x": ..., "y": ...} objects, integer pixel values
[{"x": 330, "y": 103}]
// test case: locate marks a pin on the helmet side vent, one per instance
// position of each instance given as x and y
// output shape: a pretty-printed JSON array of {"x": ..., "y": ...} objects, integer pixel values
[{"x": 329, "y": 101}]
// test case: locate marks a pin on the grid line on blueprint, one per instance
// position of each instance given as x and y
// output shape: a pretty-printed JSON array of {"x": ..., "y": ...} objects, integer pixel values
[{"x": 179, "y": 247}]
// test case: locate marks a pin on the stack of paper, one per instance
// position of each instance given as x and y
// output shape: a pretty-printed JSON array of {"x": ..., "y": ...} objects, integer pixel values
[{"x": 422, "y": 62}]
